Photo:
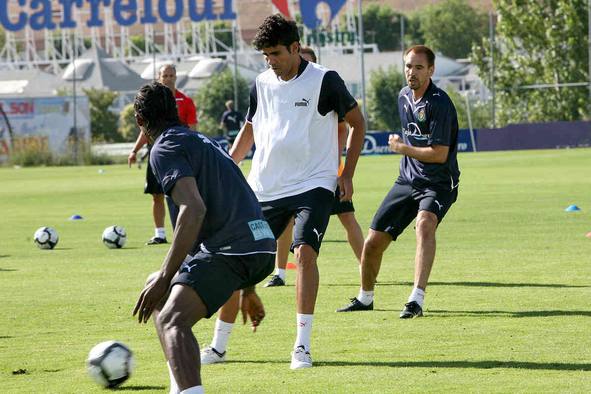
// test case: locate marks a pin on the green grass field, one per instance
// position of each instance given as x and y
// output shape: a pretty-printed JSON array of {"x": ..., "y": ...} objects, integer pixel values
[{"x": 507, "y": 310}]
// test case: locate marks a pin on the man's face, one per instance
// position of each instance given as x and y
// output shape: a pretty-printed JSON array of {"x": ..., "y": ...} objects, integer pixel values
[
  {"x": 280, "y": 59},
  {"x": 167, "y": 77},
  {"x": 417, "y": 70}
]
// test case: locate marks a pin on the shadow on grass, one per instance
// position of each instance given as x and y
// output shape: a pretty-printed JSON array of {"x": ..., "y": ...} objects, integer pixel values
[
  {"x": 444, "y": 313},
  {"x": 466, "y": 284},
  {"x": 485, "y": 364},
  {"x": 7, "y": 270},
  {"x": 4, "y": 256},
  {"x": 138, "y": 388},
  {"x": 6, "y": 337},
  {"x": 339, "y": 241}
]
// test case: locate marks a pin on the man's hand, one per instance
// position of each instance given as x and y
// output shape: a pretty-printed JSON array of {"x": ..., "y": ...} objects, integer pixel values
[
  {"x": 395, "y": 142},
  {"x": 132, "y": 158},
  {"x": 155, "y": 289},
  {"x": 345, "y": 188},
  {"x": 251, "y": 306}
]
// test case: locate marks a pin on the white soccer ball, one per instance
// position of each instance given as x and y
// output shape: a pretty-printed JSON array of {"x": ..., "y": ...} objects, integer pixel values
[
  {"x": 114, "y": 237},
  {"x": 46, "y": 238},
  {"x": 110, "y": 363}
]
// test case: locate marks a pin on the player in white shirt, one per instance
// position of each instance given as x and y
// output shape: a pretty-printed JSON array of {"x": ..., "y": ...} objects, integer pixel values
[{"x": 294, "y": 110}]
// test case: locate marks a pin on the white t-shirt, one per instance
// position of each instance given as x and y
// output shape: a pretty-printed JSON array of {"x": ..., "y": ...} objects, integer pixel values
[{"x": 296, "y": 146}]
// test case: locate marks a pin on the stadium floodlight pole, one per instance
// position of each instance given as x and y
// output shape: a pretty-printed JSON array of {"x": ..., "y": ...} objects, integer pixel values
[
  {"x": 362, "y": 50},
  {"x": 74, "y": 131},
  {"x": 468, "y": 111},
  {"x": 491, "y": 31},
  {"x": 402, "y": 39},
  {"x": 492, "y": 68},
  {"x": 154, "y": 54},
  {"x": 235, "y": 79}
]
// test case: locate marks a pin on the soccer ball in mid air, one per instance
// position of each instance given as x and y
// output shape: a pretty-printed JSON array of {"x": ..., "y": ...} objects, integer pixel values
[
  {"x": 110, "y": 363},
  {"x": 114, "y": 237},
  {"x": 46, "y": 238}
]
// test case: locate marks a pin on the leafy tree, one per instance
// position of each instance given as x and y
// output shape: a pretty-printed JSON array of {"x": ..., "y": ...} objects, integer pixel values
[
  {"x": 382, "y": 98},
  {"x": 538, "y": 43},
  {"x": 212, "y": 97},
  {"x": 103, "y": 122},
  {"x": 127, "y": 126},
  {"x": 139, "y": 42},
  {"x": 452, "y": 27},
  {"x": 381, "y": 26},
  {"x": 479, "y": 110}
]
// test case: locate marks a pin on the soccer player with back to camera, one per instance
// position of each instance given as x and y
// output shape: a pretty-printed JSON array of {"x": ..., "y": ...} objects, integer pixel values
[
  {"x": 188, "y": 117},
  {"x": 426, "y": 187},
  {"x": 218, "y": 213}
]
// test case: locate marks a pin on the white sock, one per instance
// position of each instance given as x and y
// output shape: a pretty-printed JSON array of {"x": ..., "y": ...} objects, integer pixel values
[
  {"x": 280, "y": 272},
  {"x": 174, "y": 388},
  {"x": 417, "y": 295},
  {"x": 160, "y": 232},
  {"x": 221, "y": 334},
  {"x": 194, "y": 390},
  {"x": 304, "y": 325},
  {"x": 365, "y": 297}
]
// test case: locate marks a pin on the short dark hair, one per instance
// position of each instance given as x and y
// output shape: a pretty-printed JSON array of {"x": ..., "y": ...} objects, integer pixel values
[
  {"x": 422, "y": 49},
  {"x": 276, "y": 30},
  {"x": 157, "y": 107},
  {"x": 309, "y": 51}
]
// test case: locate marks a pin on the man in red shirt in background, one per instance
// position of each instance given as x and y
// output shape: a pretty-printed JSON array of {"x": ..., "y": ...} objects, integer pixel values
[{"x": 188, "y": 116}]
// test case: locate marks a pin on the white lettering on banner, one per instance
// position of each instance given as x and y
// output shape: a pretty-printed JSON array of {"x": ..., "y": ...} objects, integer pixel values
[
  {"x": 39, "y": 14},
  {"x": 371, "y": 146}
]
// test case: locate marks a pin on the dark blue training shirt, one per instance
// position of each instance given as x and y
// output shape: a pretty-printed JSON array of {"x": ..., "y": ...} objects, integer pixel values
[
  {"x": 430, "y": 121},
  {"x": 234, "y": 223}
]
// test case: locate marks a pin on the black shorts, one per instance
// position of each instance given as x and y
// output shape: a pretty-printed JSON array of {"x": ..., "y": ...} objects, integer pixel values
[
  {"x": 402, "y": 204},
  {"x": 152, "y": 185},
  {"x": 311, "y": 210},
  {"x": 216, "y": 276},
  {"x": 339, "y": 206}
]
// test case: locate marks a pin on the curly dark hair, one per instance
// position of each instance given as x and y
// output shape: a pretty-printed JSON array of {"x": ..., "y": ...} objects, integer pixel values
[
  {"x": 276, "y": 30},
  {"x": 156, "y": 105}
]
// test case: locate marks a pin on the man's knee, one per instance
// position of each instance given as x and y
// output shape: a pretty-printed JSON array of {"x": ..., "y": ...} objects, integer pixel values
[
  {"x": 376, "y": 242},
  {"x": 182, "y": 309},
  {"x": 306, "y": 256},
  {"x": 158, "y": 198},
  {"x": 426, "y": 224}
]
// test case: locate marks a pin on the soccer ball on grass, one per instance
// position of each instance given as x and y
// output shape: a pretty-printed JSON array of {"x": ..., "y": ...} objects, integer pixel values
[
  {"x": 114, "y": 237},
  {"x": 46, "y": 238},
  {"x": 110, "y": 363}
]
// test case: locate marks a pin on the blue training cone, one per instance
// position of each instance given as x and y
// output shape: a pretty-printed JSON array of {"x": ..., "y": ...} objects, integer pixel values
[
  {"x": 572, "y": 208},
  {"x": 76, "y": 217}
]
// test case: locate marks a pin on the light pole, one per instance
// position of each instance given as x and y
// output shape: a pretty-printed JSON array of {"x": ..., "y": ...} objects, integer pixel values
[
  {"x": 492, "y": 67},
  {"x": 362, "y": 50}
]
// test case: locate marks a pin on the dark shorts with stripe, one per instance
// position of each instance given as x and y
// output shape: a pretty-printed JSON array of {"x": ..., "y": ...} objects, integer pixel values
[
  {"x": 152, "y": 185},
  {"x": 311, "y": 211},
  {"x": 216, "y": 276},
  {"x": 339, "y": 206},
  {"x": 403, "y": 202}
]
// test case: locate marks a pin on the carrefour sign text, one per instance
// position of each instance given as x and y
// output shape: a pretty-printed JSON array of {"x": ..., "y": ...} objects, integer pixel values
[{"x": 38, "y": 13}]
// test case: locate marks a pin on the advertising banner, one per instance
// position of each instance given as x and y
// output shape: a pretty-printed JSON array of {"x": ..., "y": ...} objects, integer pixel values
[{"x": 46, "y": 122}]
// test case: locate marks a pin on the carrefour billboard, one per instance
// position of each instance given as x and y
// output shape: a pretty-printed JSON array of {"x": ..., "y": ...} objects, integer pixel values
[{"x": 38, "y": 14}]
